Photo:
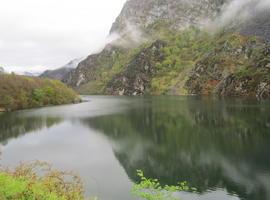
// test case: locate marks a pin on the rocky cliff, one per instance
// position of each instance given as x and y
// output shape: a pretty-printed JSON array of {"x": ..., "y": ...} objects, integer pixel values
[
  {"x": 179, "y": 14},
  {"x": 239, "y": 67},
  {"x": 180, "y": 54}
]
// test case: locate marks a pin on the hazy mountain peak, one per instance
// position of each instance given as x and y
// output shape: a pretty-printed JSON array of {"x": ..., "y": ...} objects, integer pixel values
[
  {"x": 61, "y": 72},
  {"x": 179, "y": 13},
  {"x": 73, "y": 63}
]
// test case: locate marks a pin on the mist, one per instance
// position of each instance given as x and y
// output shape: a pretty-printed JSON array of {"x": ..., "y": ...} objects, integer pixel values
[
  {"x": 130, "y": 37},
  {"x": 238, "y": 12}
]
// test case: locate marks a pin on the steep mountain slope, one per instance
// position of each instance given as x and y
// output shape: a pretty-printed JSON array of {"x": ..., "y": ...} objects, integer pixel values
[
  {"x": 238, "y": 66},
  {"x": 180, "y": 54},
  {"x": 61, "y": 73},
  {"x": 178, "y": 14}
]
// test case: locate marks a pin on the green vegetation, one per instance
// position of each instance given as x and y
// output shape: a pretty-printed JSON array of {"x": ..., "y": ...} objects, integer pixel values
[
  {"x": 109, "y": 65},
  {"x": 38, "y": 181},
  {"x": 20, "y": 92},
  {"x": 151, "y": 189},
  {"x": 183, "y": 50},
  {"x": 192, "y": 61}
]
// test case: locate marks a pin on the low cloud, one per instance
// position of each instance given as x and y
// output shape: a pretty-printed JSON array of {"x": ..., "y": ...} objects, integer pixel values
[
  {"x": 239, "y": 11},
  {"x": 130, "y": 36}
]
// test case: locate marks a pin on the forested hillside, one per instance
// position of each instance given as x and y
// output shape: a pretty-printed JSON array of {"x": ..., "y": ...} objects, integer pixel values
[{"x": 21, "y": 92}]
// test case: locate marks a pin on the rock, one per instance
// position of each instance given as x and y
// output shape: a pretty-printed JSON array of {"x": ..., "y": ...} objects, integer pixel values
[
  {"x": 121, "y": 92},
  {"x": 180, "y": 14},
  {"x": 263, "y": 90}
]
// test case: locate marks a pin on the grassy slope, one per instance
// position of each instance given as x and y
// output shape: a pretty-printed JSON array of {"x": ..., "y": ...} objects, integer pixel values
[{"x": 20, "y": 92}]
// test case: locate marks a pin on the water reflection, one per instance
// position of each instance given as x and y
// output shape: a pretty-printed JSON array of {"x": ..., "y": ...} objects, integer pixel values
[
  {"x": 13, "y": 125},
  {"x": 216, "y": 145},
  {"x": 210, "y": 143}
]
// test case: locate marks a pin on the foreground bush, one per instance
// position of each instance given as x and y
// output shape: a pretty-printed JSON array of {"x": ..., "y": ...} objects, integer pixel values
[
  {"x": 21, "y": 92},
  {"x": 38, "y": 181},
  {"x": 151, "y": 189}
]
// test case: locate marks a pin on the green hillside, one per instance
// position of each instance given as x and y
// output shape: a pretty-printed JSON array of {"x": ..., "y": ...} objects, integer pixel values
[{"x": 21, "y": 92}]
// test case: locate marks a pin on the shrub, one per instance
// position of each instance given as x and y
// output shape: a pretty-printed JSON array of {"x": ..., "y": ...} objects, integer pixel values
[
  {"x": 151, "y": 189},
  {"x": 38, "y": 181}
]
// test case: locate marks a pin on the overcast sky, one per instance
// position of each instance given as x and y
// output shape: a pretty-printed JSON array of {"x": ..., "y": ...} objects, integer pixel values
[{"x": 40, "y": 34}]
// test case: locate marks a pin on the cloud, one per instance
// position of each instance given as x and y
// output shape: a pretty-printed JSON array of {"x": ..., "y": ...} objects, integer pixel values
[
  {"x": 49, "y": 33},
  {"x": 130, "y": 36},
  {"x": 238, "y": 11}
]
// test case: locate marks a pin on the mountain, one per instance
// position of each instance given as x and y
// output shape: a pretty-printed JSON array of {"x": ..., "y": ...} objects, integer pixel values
[
  {"x": 60, "y": 73},
  {"x": 178, "y": 14},
  {"x": 180, "y": 47}
]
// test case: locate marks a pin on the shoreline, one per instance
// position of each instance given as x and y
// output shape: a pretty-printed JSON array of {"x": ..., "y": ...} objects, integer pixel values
[{"x": 3, "y": 110}]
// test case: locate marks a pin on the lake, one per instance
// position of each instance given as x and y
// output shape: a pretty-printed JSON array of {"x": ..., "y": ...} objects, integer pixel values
[{"x": 219, "y": 146}]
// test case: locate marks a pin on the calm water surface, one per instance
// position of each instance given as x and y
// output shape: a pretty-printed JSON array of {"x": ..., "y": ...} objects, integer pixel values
[{"x": 221, "y": 147}]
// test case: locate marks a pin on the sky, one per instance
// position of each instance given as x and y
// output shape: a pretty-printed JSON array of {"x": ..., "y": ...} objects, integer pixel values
[{"x": 45, "y": 34}]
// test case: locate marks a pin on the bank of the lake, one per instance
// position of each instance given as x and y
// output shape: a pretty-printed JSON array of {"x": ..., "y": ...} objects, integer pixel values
[{"x": 22, "y": 92}]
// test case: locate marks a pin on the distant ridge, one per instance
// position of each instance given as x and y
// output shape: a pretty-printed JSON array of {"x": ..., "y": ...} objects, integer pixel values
[{"x": 60, "y": 73}]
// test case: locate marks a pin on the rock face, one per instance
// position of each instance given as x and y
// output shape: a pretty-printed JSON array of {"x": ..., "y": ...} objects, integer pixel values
[
  {"x": 61, "y": 73},
  {"x": 236, "y": 69},
  {"x": 178, "y": 13},
  {"x": 136, "y": 77}
]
